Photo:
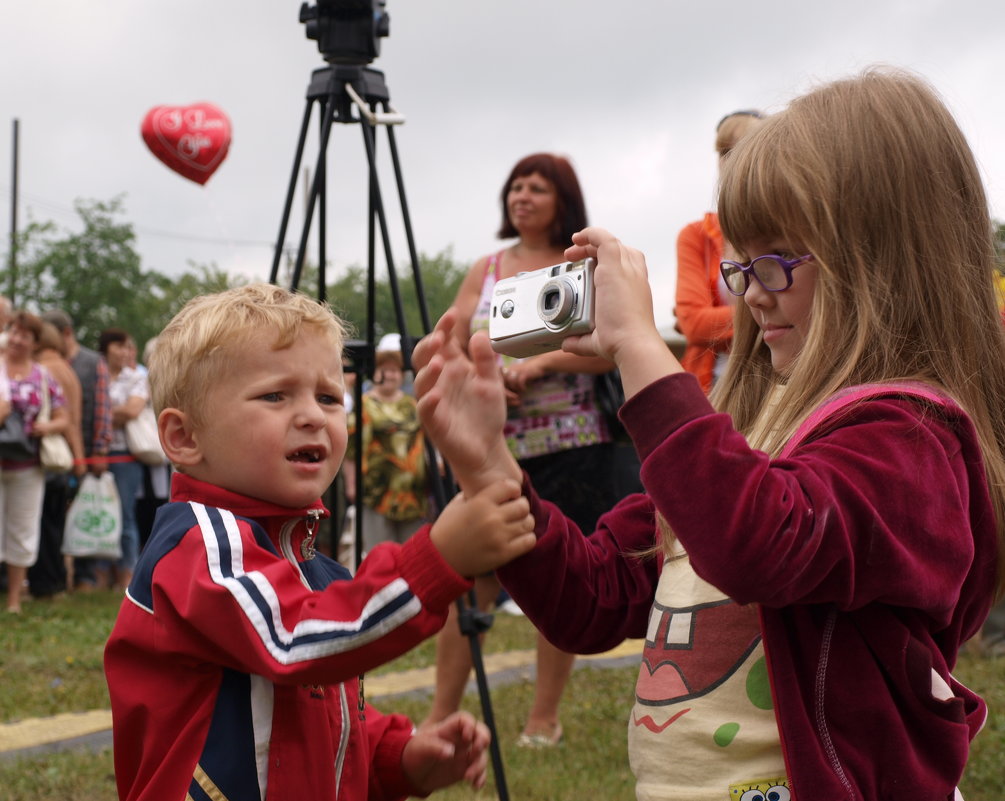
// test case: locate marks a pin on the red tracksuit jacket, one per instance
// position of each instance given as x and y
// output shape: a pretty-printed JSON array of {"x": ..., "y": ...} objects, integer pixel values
[{"x": 234, "y": 661}]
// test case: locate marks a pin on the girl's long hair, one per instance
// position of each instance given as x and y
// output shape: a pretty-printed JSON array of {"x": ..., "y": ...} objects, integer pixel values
[{"x": 873, "y": 176}]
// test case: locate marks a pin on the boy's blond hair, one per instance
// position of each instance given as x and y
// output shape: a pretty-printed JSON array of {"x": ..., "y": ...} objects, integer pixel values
[{"x": 194, "y": 348}]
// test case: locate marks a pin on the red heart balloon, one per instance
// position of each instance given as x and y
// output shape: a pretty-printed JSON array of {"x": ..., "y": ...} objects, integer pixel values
[{"x": 191, "y": 140}]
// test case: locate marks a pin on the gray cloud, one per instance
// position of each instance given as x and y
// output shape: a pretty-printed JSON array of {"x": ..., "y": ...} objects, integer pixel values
[{"x": 630, "y": 91}]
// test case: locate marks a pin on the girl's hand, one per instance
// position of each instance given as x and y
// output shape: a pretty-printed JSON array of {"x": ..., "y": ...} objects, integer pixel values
[
  {"x": 518, "y": 375},
  {"x": 624, "y": 304},
  {"x": 625, "y": 330},
  {"x": 462, "y": 405}
]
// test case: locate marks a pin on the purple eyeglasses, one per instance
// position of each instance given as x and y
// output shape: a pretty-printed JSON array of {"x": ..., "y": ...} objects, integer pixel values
[{"x": 771, "y": 271}]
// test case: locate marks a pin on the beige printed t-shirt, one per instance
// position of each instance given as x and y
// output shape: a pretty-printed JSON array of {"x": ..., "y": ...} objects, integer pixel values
[{"x": 703, "y": 724}]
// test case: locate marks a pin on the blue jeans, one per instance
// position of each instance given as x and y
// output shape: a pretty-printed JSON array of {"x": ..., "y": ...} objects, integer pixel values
[{"x": 128, "y": 480}]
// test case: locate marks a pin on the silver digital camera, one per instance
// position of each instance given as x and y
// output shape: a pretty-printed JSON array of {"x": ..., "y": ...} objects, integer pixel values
[{"x": 534, "y": 311}]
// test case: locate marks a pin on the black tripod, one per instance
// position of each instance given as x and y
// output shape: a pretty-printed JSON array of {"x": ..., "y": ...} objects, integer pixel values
[{"x": 337, "y": 90}]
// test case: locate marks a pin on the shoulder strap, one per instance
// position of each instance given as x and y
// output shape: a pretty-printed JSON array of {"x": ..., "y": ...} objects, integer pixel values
[
  {"x": 850, "y": 395},
  {"x": 45, "y": 402},
  {"x": 491, "y": 266}
]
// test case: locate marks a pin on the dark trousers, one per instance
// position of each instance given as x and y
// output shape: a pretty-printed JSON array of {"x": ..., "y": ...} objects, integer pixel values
[{"x": 48, "y": 575}]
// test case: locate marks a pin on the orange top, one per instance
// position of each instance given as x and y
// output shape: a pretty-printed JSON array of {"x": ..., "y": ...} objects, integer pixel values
[{"x": 703, "y": 319}]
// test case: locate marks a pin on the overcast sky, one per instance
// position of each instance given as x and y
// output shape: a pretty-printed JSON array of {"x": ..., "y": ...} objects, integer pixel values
[{"x": 630, "y": 91}]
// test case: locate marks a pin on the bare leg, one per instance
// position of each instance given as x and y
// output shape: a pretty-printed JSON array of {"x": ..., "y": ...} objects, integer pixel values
[
  {"x": 553, "y": 670},
  {"x": 15, "y": 581},
  {"x": 453, "y": 655}
]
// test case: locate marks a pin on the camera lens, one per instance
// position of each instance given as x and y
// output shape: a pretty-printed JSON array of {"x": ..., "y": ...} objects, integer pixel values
[{"x": 557, "y": 302}]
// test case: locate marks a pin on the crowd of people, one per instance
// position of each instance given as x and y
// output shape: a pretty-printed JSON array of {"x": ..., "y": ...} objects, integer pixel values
[
  {"x": 52, "y": 385},
  {"x": 802, "y": 611}
]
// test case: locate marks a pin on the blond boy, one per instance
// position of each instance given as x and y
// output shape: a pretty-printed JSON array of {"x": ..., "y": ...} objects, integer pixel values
[{"x": 233, "y": 665}]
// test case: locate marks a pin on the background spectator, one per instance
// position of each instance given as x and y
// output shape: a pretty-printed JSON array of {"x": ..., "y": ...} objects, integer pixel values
[
  {"x": 48, "y": 576},
  {"x": 128, "y": 394},
  {"x": 95, "y": 419},
  {"x": 22, "y": 482},
  {"x": 704, "y": 309},
  {"x": 156, "y": 484},
  {"x": 395, "y": 480},
  {"x": 554, "y": 427}
]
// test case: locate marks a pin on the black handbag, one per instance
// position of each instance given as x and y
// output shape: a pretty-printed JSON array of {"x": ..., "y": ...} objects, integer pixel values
[
  {"x": 609, "y": 396},
  {"x": 15, "y": 444}
]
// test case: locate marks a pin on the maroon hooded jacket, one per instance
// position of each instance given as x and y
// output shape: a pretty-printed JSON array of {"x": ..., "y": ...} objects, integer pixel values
[{"x": 870, "y": 546}]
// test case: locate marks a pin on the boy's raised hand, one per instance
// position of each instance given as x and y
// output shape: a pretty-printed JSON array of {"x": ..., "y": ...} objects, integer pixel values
[
  {"x": 450, "y": 751},
  {"x": 462, "y": 405},
  {"x": 475, "y": 535}
]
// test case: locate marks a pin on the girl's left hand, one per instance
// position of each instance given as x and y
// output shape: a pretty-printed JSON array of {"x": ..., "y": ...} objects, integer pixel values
[
  {"x": 623, "y": 298},
  {"x": 41, "y": 427},
  {"x": 625, "y": 332}
]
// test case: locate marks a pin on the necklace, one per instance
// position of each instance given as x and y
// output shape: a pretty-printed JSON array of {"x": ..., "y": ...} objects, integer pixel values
[{"x": 18, "y": 372}]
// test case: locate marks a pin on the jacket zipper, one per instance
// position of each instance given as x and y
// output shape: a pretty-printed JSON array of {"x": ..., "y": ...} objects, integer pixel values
[{"x": 308, "y": 551}]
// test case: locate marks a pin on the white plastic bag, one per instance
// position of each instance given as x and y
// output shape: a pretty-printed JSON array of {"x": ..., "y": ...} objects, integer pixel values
[
  {"x": 94, "y": 519},
  {"x": 142, "y": 439}
]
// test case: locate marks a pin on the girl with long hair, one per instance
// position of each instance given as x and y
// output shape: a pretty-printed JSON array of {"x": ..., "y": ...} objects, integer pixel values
[{"x": 827, "y": 529}]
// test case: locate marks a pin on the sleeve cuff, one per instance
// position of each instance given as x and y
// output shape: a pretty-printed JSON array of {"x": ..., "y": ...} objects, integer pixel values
[{"x": 435, "y": 582}]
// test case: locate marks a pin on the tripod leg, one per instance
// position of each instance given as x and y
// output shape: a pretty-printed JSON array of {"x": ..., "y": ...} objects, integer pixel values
[
  {"x": 328, "y": 106},
  {"x": 288, "y": 205},
  {"x": 377, "y": 207},
  {"x": 322, "y": 217},
  {"x": 483, "y": 693},
  {"x": 409, "y": 237}
]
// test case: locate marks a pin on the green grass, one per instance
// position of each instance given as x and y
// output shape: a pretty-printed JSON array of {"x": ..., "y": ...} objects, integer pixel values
[
  {"x": 51, "y": 656},
  {"x": 50, "y": 661}
]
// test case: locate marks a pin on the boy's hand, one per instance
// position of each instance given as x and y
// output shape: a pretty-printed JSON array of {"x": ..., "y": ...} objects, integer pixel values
[
  {"x": 450, "y": 751},
  {"x": 462, "y": 405},
  {"x": 478, "y": 534}
]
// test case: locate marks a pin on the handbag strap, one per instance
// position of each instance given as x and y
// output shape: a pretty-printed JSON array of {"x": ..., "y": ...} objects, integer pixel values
[{"x": 44, "y": 407}]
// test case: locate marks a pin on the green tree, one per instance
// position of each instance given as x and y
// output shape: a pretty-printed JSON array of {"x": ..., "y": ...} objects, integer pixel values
[
  {"x": 441, "y": 275},
  {"x": 95, "y": 275},
  {"x": 199, "y": 279}
]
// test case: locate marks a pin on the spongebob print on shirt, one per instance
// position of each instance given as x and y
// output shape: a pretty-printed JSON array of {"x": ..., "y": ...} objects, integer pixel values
[{"x": 703, "y": 724}]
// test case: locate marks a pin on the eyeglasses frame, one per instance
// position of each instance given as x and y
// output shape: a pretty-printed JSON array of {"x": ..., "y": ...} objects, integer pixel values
[{"x": 747, "y": 270}]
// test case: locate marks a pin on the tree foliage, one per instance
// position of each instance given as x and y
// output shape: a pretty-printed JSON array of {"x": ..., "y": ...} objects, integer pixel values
[
  {"x": 440, "y": 276},
  {"x": 96, "y": 276}
]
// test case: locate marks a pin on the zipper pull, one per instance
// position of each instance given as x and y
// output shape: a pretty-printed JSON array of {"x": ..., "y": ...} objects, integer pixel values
[{"x": 307, "y": 549}]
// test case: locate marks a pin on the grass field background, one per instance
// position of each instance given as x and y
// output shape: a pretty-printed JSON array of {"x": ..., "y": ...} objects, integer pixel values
[{"x": 51, "y": 662}]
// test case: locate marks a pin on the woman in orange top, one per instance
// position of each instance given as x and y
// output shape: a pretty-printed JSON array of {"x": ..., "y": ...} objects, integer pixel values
[{"x": 704, "y": 314}]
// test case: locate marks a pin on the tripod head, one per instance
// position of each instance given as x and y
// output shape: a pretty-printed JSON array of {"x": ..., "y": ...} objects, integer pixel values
[{"x": 347, "y": 31}]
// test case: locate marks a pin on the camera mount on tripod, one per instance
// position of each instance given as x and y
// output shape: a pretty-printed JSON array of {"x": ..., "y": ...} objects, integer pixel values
[{"x": 347, "y": 31}]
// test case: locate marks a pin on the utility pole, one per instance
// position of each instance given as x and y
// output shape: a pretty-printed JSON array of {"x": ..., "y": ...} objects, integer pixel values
[{"x": 12, "y": 267}]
